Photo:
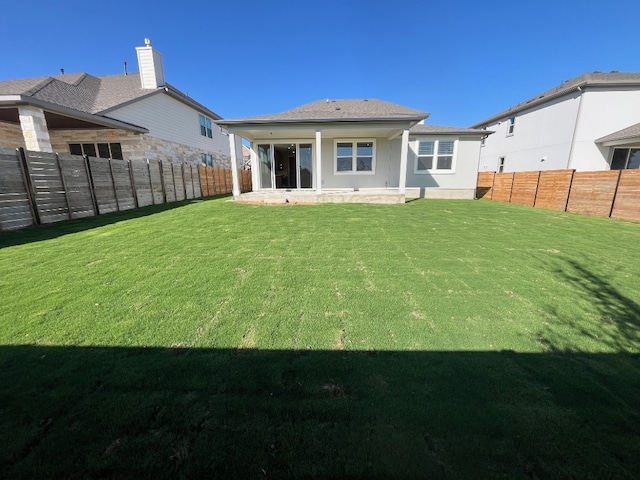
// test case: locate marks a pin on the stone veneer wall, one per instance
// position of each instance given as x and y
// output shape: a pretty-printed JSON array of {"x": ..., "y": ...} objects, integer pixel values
[
  {"x": 11, "y": 135},
  {"x": 136, "y": 146},
  {"x": 34, "y": 128}
]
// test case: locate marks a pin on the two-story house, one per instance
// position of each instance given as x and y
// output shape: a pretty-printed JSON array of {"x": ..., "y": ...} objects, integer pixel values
[
  {"x": 127, "y": 116},
  {"x": 591, "y": 122}
]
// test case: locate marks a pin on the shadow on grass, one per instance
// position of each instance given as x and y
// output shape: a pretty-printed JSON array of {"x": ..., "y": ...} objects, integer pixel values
[
  {"x": 58, "y": 229},
  {"x": 618, "y": 322},
  {"x": 71, "y": 412}
]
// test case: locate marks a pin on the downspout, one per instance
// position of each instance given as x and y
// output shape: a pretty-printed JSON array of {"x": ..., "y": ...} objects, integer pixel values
[{"x": 575, "y": 127}]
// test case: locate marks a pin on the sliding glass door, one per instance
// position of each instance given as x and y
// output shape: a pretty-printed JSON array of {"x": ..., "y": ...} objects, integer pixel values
[
  {"x": 305, "y": 161},
  {"x": 287, "y": 166},
  {"x": 266, "y": 166}
]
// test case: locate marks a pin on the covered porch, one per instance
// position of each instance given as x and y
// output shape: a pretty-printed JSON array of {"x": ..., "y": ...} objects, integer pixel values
[
  {"x": 353, "y": 150},
  {"x": 352, "y": 163}
]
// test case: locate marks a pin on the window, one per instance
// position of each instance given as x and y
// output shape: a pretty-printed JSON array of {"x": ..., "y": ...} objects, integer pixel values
[
  {"x": 625, "y": 158},
  {"x": 500, "y": 164},
  {"x": 102, "y": 150},
  {"x": 205, "y": 126},
  {"x": 355, "y": 156},
  {"x": 511, "y": 126},
  {"x": 435, "y": 156},
  {"x": 206, "y": 159}
]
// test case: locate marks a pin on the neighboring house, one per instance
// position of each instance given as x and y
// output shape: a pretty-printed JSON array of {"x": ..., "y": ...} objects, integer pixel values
[
  {"x": 332, "y": 146},
  {"x": 246, "y": 158},
  {"x": 590, "y": 122},
  {"x": 129, "y": 116}
]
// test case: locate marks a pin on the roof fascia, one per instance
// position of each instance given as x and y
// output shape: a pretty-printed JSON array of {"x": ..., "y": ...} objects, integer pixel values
[
  {"x": 173, "y": 93},
  {"x": 181, "y": 97},
  {"x": 17, "y": 100},
  {"x": 635, "y": 140},
  {"x": 534, "y": 103},
  {"x": 306, "y": 123},
  {"x": 129, "y": 102}
]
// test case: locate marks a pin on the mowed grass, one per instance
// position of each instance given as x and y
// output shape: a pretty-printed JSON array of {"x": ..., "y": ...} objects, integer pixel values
[{"x": 435, "y": 339}]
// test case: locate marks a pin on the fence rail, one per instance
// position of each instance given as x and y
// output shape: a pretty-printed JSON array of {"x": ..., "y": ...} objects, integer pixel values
[
  {"x": 609, "y": 193},
  {"x": 39, "y": 188}
]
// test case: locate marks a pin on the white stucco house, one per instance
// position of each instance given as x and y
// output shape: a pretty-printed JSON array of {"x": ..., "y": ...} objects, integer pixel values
[
  {"x": 127, "y": 116},
  {"x": 590, "y": 122},
  {"x": 356, "y": 150}
]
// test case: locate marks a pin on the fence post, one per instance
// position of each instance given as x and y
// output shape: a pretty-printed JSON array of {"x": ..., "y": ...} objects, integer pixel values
[
  {"x": 173, "y": 180},
  {"x": 64, "y": 185},
  {"x": 566, "y": 204},
  {"x": 184, "y": 183},
  {"x": 113, "y": 182},
  {"x": 153, "y": 197},
  {"x": 513, "y": 178},
  {"x": 615, "y": 193},
  {"x": 535, "y": 195},
  {"x": 164, "y": 188},
  {"x": 92, "y": 187},
  {"x": 193, "y": 185},
  {"x": 134, "y": 190},
  {"x": 26, "y": 178},
  {"x": 493, "y": 182}
]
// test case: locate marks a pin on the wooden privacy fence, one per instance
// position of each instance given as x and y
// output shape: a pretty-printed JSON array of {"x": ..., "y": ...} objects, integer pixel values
[
  {"x": 608, "y": 193},
  {"x": 40, "y": 187}
]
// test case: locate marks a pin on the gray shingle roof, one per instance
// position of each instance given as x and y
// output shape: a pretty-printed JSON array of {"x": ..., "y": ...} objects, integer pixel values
[
  {"x": 593, "y": 79},
  {"x": 422, "y": 129},
  {"x": 337, "y": 111},
  {"x": 632, "y": 132},
  {"x": 91, "y": 94}
]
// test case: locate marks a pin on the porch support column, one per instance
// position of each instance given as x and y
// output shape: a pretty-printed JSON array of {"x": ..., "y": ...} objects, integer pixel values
[
  {"x": 318, "y": 161},
  {"x": 34, "y": 129},
  {"x": 404, "y": 153},
  {"x": 234, "y": 166},
  {"x": 254, "y": 167}
]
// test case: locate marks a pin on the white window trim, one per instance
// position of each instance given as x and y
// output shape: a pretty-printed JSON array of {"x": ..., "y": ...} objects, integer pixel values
[
  {"x": 354, "y": 159},
  {"x": 511, "y": 126},
  {"x": 435, "y": 170},
  {"x": 208, "y": 126}
]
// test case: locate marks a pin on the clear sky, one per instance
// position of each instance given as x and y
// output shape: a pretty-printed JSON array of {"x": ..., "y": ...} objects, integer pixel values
[{"x": 460, "y": 60}]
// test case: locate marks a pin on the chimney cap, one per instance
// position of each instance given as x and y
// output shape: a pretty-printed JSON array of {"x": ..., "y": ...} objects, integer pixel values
[{"x": 147, "y": 42}]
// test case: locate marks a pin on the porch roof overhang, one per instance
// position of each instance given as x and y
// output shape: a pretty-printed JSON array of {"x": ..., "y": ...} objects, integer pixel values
[
  {"x": 59, "y": 117},
  {"x": 290, "y": 130},
  {"x": 629, "y": 136}
]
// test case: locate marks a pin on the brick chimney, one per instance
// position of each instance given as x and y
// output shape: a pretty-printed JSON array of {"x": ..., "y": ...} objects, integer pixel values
[{"x": 150, "y": 66}]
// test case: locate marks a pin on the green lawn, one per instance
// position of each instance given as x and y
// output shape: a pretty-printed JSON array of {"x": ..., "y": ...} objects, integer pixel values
[{"x": 435, "y": 339}]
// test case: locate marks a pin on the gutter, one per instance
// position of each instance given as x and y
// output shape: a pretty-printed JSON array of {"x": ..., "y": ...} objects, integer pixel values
[
  {"x": 307, "y": 121},
  {"x": 539, "y": 101}
]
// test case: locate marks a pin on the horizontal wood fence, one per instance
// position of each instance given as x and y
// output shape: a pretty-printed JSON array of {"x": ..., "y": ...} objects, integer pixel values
[
  {"x": 39, "y": 187},
  {"x": 608, "y": 193}
]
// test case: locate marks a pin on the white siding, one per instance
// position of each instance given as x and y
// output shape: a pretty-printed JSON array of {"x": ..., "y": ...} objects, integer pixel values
[
  {"x": 466, "y": 166},
  {"x": 544, "y": 132},
  {"x": 168, "y": 119},
  {"x": 387, "y": 172},
  {"x": 602, "y": 112}
]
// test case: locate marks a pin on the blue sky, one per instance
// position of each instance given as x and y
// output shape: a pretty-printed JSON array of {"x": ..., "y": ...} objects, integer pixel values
[{"x": 462, "y": 61}]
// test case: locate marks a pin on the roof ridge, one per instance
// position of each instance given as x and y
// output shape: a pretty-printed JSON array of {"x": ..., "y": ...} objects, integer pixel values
[
  {"x": 38, "y": 86},
  {"x": 128, "y": 74},
  {"x": 83, "y": 76}
]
